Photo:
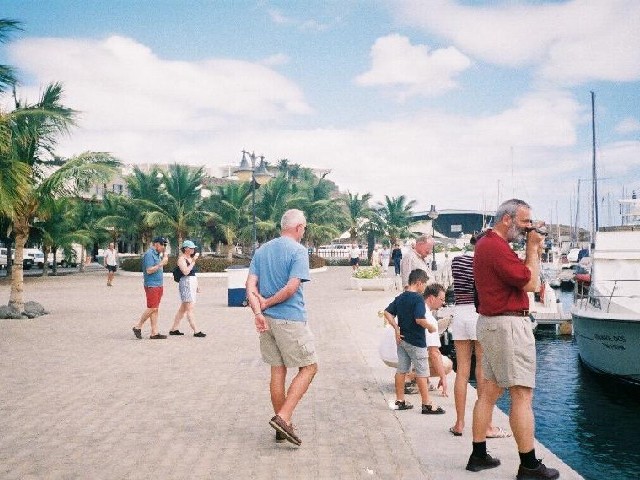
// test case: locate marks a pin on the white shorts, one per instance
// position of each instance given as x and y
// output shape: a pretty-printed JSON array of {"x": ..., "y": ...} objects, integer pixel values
[
  {"x": 187, "y": 288},
  {"x": 463, "y": 325}
]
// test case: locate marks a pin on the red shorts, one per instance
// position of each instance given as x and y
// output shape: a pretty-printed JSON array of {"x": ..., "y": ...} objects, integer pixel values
[{"x": 154, "y": 295}]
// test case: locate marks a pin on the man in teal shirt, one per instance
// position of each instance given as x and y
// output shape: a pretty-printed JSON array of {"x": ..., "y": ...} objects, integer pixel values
[{"x": 152, "y": 262}]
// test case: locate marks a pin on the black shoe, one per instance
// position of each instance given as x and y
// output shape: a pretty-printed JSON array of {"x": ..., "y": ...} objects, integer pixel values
[
  {"x": 541, "y": 471},
  {"x": 411, "y": 390},
  {"x": 280, "y": 437},
  {"x": 432, "y": 410},
  {"x": 137, "y": 332},
  {"x": 403, "y": 405},
  {"x": 200, "y": 334},
  {"x": 158, "y": 336},
  {"x": 475, "y": 464},
  {"x": 175, "y": 332}
]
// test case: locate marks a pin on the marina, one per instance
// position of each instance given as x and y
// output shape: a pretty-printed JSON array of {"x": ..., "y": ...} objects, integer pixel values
[
  {"x": 586, "y": 419},
  {"x": 187, "y": 409}
]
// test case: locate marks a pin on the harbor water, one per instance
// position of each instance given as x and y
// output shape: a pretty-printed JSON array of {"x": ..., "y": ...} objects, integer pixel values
[{"x": 590, "y": 422}]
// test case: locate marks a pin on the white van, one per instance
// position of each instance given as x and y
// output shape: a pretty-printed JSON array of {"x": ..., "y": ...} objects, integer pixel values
[
  {"x": 35, "y": 254},
  {"x": 27, "y": 261}
]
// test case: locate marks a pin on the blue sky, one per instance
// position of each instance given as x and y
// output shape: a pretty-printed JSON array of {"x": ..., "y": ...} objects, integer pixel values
[{"x": 459, "y": 104}]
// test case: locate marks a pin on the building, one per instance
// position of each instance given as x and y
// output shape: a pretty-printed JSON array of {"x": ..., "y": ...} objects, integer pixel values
[{"x": 452, "y": 223}]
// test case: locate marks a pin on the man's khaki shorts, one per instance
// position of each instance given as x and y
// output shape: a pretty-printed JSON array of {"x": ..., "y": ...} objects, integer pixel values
[
  {"x": 509, "y": 350},
  {"x": 288, "y": 343}
]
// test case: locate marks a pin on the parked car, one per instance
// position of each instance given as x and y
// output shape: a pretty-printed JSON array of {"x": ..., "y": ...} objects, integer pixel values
[
  {"x": 37, "y": 256},
  {"x": 27, "y": 262}
]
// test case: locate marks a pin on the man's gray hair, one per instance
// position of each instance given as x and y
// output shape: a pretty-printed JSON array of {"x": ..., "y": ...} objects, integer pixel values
[
  {"x": 509, "y": 207},
  {"x": 292, "y": 218},
  {"x": 424, "y": 238}
]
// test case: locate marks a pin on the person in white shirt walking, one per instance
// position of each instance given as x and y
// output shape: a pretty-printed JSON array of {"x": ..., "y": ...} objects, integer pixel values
[{"x": 111, "y": 263}]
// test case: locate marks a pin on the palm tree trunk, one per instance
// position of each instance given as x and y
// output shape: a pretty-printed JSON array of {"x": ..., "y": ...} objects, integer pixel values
[
  {"x": 45, "y": 264},
  {"x": 82, "y": 259},
  {"x": 16, "y": 297}
]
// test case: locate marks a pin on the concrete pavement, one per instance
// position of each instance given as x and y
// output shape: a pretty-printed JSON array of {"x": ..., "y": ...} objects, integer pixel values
[{"x": 81, "y": 398}]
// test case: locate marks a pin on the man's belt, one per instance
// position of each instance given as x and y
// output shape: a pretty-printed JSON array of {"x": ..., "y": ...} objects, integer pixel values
[{"x": 517, "y": 313}]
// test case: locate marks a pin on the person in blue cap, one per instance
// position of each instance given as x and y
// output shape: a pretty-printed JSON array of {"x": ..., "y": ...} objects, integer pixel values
[{"x": 187, "y": 288}]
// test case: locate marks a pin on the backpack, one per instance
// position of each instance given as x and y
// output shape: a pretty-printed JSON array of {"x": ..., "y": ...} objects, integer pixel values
[{"x": 177, "y": 274}]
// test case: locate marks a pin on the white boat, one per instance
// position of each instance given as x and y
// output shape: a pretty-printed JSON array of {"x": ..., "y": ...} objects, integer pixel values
[{"x": 606, "y": 323}]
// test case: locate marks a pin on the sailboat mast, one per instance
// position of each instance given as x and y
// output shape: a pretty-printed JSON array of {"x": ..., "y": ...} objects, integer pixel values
[
  {"x": 594, "y": 177},
  {"x": 577, "y": 225}
]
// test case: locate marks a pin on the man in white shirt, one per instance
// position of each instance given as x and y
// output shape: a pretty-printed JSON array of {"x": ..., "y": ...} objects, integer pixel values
[
  {"x": 415, "y": 258},
  {"x": 354, "y": 256},
  {"x": 111, "y": 262}
]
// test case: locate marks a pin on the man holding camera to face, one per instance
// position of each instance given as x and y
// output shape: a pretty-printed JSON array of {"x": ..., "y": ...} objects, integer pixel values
[{"x": 505, "y": 332}]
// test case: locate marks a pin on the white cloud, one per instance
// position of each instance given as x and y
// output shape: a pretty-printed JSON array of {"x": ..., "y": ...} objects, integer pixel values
[
  {"x": 413, "y": 68},
  {"x": 457, "y": 161},
  {"x": 569, "y": 42},
  {"x": 279, "y": 18},
  {"x": 628, "y": 125},
  {"x": 145, "y": 109},
  {"x": 119, "y": 84}
]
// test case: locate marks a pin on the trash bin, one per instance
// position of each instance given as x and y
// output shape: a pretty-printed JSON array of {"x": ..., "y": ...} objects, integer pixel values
[{"x": 236, "y": 290}]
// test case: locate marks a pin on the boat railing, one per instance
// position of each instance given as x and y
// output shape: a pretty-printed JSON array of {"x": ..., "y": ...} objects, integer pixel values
[{"x": 602, "y": 297}]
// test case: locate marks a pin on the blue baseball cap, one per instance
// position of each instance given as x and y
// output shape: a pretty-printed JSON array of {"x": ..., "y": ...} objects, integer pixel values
[
  {"x": 160, "y": 240},
  {"x": 188, "y": 244}
]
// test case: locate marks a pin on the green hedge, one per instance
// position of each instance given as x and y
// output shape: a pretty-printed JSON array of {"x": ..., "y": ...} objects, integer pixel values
[
  {"x": 208, "y": 264},
  {"x": 316, "y": 262},
  {"x": 205, "y": 264}
]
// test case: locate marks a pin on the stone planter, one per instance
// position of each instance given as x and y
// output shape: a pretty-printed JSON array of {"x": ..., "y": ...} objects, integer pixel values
[{"x": 380, "y": 283}]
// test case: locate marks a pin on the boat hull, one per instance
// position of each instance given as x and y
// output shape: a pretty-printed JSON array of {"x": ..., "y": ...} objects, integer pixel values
[{"x": 609, "y": 345}]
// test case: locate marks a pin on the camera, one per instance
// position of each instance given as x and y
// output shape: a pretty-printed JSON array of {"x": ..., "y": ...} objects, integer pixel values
[{"x": 541, "y": 230}]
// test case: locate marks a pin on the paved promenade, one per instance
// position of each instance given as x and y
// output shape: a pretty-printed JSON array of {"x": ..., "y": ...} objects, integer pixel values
[{"x": 81, "y": 398}]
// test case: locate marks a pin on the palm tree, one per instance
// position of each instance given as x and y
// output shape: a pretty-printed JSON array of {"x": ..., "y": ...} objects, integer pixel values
[
  {"x": 58, "y": 230},
  {"x": 145, "y": 197},
  {"x": 323, "y": 213},
  {"x": 7, "y": 74},
  {"x": 275, "y": 198},
  {"x": 396, "y": 214},
  {"x": 227, "y": 206},
  {"x": 34, "y": 130},
  {"x": 358, "y": 211},
  {"x": 12, "y": 174},
  {"x": 84, "y": 215},
  {"x": 180, "y": 207}
]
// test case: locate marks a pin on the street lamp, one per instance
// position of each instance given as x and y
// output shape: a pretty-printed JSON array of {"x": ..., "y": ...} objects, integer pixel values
[
  {"x": 433, "y": 214},
  {"x": 257, "y": 176}
]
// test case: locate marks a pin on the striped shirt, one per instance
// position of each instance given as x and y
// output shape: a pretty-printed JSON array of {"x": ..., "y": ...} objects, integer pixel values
[{"x": 462, "y": 271}]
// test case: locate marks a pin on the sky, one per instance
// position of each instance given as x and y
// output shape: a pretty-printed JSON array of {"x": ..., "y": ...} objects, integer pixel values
[{"x": 460, "y": 104}]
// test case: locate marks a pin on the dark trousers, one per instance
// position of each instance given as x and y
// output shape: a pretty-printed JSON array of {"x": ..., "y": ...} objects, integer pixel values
[{"x": 396, "y": 265}]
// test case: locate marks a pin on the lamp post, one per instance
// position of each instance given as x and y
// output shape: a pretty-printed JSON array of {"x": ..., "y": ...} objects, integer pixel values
[
  {"x": 257, "y": 176},
  {"x": 433, "y": 214}
]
